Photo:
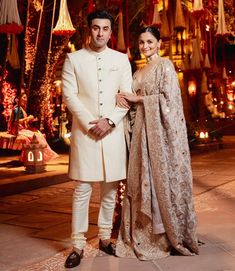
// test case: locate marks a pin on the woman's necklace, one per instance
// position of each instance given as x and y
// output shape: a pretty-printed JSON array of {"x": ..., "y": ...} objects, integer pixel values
[{"x": 152, "y": 59}]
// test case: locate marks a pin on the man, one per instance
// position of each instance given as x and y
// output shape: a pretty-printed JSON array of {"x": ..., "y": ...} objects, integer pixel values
[{"x": 91, "y": 78}]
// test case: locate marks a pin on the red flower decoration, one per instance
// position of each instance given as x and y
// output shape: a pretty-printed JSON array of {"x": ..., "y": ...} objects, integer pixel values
[
  {"x": 198, "y": 13},
  {"x": 11, "y": 28},
  {"x": 62, "y": 32}
]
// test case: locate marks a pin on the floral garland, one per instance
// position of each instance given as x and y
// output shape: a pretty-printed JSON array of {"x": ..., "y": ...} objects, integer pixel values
[
  {"x": 30, "y": 35},
  {"x": 9, "y": 94},
  {"x": 40, "y": 64},
  {"x": 47, "y": 85}
]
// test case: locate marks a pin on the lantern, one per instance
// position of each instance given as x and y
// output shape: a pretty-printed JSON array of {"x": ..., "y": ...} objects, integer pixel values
[
  {"x": 192, "y": 87},
  {"x": 204, "y": 136},
  {"x": 34, "y": 156}
]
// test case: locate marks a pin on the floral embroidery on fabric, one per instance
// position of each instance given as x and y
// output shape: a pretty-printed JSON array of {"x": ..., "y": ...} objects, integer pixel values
[{"x": 158, "y": 152}]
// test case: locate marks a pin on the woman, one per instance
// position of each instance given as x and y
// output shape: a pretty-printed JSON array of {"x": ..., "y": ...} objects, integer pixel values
[
  {"x": 158, "y": 213},
  {"x": 24, "y": 132}
]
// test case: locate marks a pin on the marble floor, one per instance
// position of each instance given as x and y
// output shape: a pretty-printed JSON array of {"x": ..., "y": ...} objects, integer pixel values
[{"x": 35, "y": 224}]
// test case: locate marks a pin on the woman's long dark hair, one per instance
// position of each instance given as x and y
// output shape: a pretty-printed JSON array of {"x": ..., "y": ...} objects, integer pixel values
[{"x": 151, "y": 29}]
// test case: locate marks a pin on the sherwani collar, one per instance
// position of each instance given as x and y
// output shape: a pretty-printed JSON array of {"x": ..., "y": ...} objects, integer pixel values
[{"x": 104, "y": 52}]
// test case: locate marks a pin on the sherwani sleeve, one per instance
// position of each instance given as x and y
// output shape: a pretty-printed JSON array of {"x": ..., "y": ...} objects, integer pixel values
[
  {"x": 70, "y": 91},
  {"x": 125, "y": 85}
]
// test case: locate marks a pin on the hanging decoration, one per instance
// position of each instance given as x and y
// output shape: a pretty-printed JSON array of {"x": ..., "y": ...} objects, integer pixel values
[
  {"x": 126, "y": 27},
  {"x": 120, "y": 39},
  {"x": 198, "y": 9},
  {"x": 179, "y": 26},
  {"x": 179, "y": 17},
  {"x": 12, "y": 54},
  {"x": 207, "y": 64},
  {"x": 196, "y": 56},
  {"x": 47, "y": 78},
  {"x": 156, "y": 17},
  {"x": 10, "y": 24},
  {"x": 224, "y": 74},
  {"x": 204, "y": 87},
  {"x": 64, "y": 26},
  {"x": 9, "y": 17},
  {"x": 165, "y": 30},
  {"x": 9, "y": 94},
  {"x": 221, "y": 29},
  {"x": 31, "y": 44},
  {"x": 90, "y": 6}
]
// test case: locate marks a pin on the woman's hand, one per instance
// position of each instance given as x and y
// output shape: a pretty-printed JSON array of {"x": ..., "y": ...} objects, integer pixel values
[
  {"x": 121, "y": 101},
  {"x": 133, "y": 98},
  {"x": 30, "y": 117}
]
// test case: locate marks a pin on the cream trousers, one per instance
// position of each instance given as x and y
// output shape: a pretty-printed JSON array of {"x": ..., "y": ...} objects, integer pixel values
[{"x": 80, "y": 213}]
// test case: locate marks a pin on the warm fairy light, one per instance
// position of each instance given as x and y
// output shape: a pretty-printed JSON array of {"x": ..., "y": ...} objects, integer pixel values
[
  {"x": 67, "y": 135},
  {"x": 203, "y": 135},
  {"x": 57, "y": 83},
  {"x": 30, "y": 156},
  {"x": 207, "y": 28},
  {"x": 230, "y": 106},
  {"x": 192, "y": 88},
  {"x": 71, "y": 46},
  {"x": 230, "y": 95}
]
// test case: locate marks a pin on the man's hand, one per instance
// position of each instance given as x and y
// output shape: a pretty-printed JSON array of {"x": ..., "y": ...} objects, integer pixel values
[{"x": 100, "y": 129}]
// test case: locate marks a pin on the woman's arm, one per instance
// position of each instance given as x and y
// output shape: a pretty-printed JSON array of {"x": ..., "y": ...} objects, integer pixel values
[
  {"x": 124, "y": 99},
  {"x": 133, "y": 98}
]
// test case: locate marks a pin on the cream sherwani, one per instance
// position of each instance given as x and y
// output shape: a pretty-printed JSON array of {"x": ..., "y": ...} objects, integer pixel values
[{"x": 90, "y": 81}]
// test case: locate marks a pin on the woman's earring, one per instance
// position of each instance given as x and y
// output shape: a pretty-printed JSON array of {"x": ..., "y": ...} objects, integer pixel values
[{"x": 158, "y": 50}]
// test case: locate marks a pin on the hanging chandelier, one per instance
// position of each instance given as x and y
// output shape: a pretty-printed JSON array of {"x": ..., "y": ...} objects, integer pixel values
[
  {"x": 64, "y": 26},
  {"x": 9, "y": 17},
  {"x": 198, "y": 9}
]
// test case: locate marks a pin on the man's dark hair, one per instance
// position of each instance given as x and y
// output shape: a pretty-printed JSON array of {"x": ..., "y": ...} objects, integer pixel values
[{"x": 100, "y": 14}]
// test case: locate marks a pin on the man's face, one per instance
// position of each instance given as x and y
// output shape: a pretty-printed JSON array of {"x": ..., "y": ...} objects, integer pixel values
[{"x": 100, "y": 34}]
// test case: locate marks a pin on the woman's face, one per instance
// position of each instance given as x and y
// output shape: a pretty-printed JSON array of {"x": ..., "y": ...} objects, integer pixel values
[
  {"x": 148, "y": 44},
  {"x": 23, "y": 100}
]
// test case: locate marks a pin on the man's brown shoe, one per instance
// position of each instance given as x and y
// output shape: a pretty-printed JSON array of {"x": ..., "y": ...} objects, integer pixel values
[
  {"x": 73, "y": 259},
  {"x": 109, "y": 249}
]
